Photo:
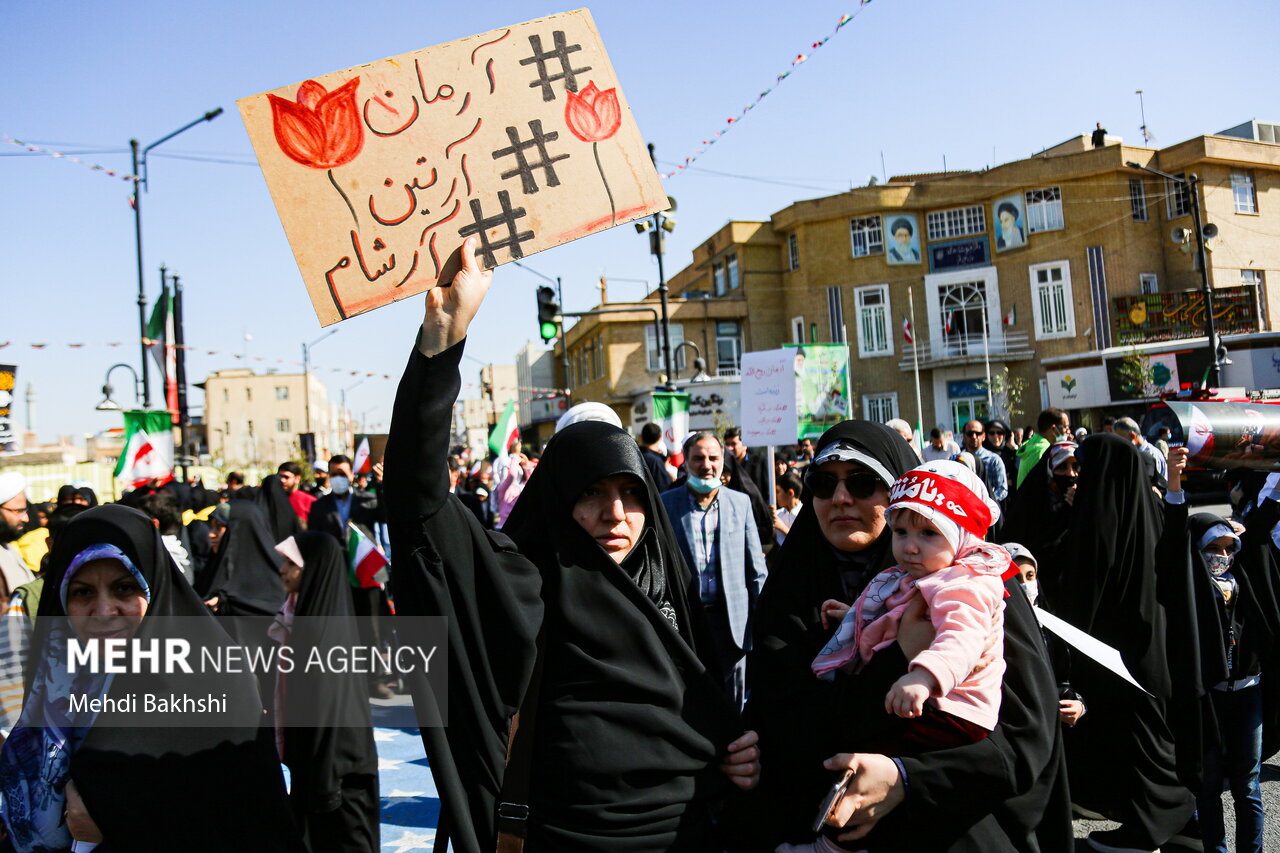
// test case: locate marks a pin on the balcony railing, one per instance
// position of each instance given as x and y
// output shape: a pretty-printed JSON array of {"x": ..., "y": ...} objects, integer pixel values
[{"x": 945, "y": 350}]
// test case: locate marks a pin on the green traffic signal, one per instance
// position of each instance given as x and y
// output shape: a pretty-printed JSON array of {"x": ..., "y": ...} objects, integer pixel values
[
  {"x": 548, "y": 331},
  {"x": 548, "y": 308}
]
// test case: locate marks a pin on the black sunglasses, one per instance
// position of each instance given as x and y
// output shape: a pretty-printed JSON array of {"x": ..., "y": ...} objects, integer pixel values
[
  {"x": 860, "y": 484},
  {"x": 973, "y": 432}
]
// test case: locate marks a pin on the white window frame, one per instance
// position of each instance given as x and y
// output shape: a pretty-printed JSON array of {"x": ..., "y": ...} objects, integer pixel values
[
  {"x": 797, "y": 329},
  {"x": 955, "y": 222},
  {"x": 653, "y": 347},
  {"x": 880, "y": 401},
  {"x": 1043, "y": 205},
  {"x": 718, "y": 279},
  {"x": 866, "y": 237},
  {"x": 736, "y": 339},
  {"x": 1252, "y": 278},
  {"x": 282, "y": 425},
  {"x": 868, "y": 345},
  {"x": 1244, "y": 192},
  {"x": 282, "y": 392},
  {"x": 731, "y": 271},
  {"x": 1148, "y": 283},
  {"x": 1138, "y": 200},
  {"x": 1177, "y": 198},
  {"x": 1068, "y": 329},
  {"x": 835, "y": 314},
  {"x": 793, "y": 252}
]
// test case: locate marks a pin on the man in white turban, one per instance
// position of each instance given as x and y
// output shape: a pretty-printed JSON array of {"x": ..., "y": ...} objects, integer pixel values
[{"x": 13, "y": 517}]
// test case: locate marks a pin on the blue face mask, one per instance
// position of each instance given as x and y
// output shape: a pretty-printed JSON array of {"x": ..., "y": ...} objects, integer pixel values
[
  {"x": 1218, "y": 564},
  {"x": 704, "y": 485}
]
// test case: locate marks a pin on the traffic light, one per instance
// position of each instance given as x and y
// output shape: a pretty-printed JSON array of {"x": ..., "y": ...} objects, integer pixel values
[{"x": 548, "y": 308}]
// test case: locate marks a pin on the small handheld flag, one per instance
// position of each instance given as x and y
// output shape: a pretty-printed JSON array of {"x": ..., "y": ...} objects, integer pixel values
[
  {"x": 367, "y": 566},
  {"x": 906, "y": 331}
]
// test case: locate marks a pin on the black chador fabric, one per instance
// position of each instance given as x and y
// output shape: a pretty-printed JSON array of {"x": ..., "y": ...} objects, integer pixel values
[
  {"x": 213, "y": 788},
  {"x": 740, "y": 480},
  {"x": 282, "y": 521},
  {"x": 245, "y": 572},
  {"x": 1006, "y": 792},
  {"x": 1037, "y": 517},
  {"x": 328, "y": 762},
  {"x": 1106, "y": 585},
  {"x": 629, "y": 733}
]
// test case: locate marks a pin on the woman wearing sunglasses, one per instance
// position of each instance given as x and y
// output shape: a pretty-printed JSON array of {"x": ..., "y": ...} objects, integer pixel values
[{"x": 1006, "y": 792}]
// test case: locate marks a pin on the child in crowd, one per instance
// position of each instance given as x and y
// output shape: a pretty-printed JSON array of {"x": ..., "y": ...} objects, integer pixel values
[
  {"x": 1070, "y": 705},
  {"x": 938, "y": 514}
]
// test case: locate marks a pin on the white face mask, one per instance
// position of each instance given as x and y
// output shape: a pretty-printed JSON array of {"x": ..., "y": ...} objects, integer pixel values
[
  {"x": 340, "y": 485},
  {"x": 704, "y": 485},
  {"x": 1218, "y": 564},
  {"x": 1032, "y": 589}
]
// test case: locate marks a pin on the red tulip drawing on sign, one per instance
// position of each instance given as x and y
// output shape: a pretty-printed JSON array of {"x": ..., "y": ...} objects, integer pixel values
[
  {"x": 321, "y": 129},
  {"x": 594, "y": 116}
]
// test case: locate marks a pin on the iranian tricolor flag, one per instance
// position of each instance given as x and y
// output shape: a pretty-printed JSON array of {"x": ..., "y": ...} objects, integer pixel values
[
  {"x": 148, "y": 448},
  {"x": 506, "y": 432},
  {"x": 162, "y": 339},
  {"x": 361, "y": 464},
  {"x": 367, "y": 564},
  {"x": 906, "y": 331},
  {"x": 671, "y": 412}
]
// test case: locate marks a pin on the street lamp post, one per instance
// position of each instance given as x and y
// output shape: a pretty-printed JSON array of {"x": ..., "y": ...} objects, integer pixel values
[
  {"x": 657, "y": 246},
  {"x": 109, "y": 405},
  {"x": 306, "y": 380},
  {"x": 140, "y": 184},
  {"x": 1213, "y": 378}
]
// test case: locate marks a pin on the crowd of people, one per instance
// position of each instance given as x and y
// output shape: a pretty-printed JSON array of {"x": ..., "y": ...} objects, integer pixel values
[{"x": 649, "y": 650}]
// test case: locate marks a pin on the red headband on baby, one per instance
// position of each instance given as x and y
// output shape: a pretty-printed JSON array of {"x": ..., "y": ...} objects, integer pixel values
[{"x": 944, "y": 495}]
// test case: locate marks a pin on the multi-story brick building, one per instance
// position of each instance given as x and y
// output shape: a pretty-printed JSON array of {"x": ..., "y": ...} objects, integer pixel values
[{"x": 1045, "y": 273}]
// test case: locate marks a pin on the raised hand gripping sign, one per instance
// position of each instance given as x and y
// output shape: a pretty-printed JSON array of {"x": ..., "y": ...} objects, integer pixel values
[{"x": 520, "y": 136}]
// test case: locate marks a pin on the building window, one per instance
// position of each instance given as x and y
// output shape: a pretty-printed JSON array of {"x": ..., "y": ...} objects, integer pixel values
[
  {"x": 248, "y": 394},
  {"x": 1251, "y": 278},
  {"x": 1177, "y": 197},
  {"x": 793, "y": 252},
  {"x": 835, "y": 315},
  {"x": 282, "y": 425},
  {"x": 880, "y": 407},
  {"x": 866, "y": 235},
  {"x": 1051, "y": 300},
  {"x": 600, "y": 369},
  {"x": 717, "y": 278},
  {"x": 653, "y": 347},
  {"x": 728, "y": 347},
  {"x": 226, "y": 395},
  {"x": 731, "y": 266},
  {"x": 1044, "y": 209},
  {"x": 1148, "y": 283},
  {"x": 873, "y": 320},
  {"x": 797, "y": 330},
  {"x": 1138, "y": 199},
  {"x": 282, "y": 392},
  {"x": 956, "y": 222},
  {"x": 1242, "y": 191}
]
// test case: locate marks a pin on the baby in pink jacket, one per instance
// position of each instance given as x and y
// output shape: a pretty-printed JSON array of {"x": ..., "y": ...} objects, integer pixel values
[{"x": 938, "y": 514}]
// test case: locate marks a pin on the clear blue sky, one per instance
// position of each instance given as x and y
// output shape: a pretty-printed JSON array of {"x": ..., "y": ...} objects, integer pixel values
[{"x": 914, "y": 80}]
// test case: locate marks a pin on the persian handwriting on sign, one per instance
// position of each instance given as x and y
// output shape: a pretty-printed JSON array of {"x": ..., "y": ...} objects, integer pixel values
[{"x": 519, "y": 137}]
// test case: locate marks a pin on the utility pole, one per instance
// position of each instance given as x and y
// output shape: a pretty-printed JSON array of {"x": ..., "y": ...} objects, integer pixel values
[{"x": 180, "y": 358}]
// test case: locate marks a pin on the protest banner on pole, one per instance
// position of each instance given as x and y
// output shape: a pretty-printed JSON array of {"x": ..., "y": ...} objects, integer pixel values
[
  {"x": 8, "y": 384},
  {"x": 1223, "y": 435},
  {"x": 768, "y": 394},
  {"x": 822, "y": 386},
  {"x": 520, "y": 136}
]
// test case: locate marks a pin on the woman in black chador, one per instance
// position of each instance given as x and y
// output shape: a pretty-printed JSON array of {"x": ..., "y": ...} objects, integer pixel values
[
  {"x": 1104, "y": 582},
  {"x": 129, "y": 779},
  {"x": 1006, "y": 792},
  {"x": 324, "y": 730},
  {"x": 624, "y": 738}
]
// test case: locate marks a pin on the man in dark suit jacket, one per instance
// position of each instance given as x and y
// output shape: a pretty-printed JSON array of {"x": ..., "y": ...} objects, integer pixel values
[
  {"x": 717, "y": 535},
  {"x": 330, "y": 514},
  {"x": 654, "y": 460}
]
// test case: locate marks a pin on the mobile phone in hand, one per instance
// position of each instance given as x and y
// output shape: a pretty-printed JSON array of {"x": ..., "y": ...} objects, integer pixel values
[{"x": 832, "y": 799}]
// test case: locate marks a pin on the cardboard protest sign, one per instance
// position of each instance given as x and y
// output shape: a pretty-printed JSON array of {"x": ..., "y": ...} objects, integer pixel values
[
  {"x": 520, "y": 136},
  {"x": 1226, "y": 435},
  {"x": 768, "y": 398}
]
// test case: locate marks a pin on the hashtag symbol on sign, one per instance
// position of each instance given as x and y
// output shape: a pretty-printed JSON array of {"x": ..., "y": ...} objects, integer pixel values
[
  {"x": 523, "y": 167},
  {"x": 507, "y": 217},
  {"x": 561, "y": 52}
]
